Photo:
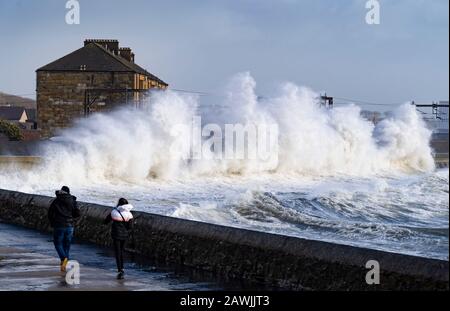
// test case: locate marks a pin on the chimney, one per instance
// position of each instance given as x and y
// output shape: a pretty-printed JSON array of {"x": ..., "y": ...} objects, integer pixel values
[
  {"x": 110, "y": 45},
  {"x": 127, "y": 54}
]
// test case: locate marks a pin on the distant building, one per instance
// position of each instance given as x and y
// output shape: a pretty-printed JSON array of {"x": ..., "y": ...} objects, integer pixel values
[
  {"x": 12, "y": 119},
  {"x": 16, "y": 115},
  {"x": 23, "y": 119},
  {"x": 97, "y": 77}
]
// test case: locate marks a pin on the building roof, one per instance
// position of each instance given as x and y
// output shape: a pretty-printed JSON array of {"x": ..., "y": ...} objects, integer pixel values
[
  {"x": 94, "y": 57},
  {"x": 11, "y": 113},
  {"x": 31, "y": 114}
]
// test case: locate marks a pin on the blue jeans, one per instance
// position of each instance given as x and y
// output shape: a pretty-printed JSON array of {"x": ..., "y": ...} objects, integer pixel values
[{"x": 62, "y": 237}]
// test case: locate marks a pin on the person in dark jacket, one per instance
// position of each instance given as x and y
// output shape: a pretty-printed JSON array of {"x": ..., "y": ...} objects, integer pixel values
[
  {"x": 122, "y": 222},
  {"x": 62, "y": 213}
]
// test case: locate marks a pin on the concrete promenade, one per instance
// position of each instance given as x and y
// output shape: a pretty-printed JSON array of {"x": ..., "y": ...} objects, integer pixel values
[{"x": 28, "y": 262}]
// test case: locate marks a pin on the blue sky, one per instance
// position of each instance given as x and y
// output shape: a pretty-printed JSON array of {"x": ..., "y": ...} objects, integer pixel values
[{"x": 199, "y": 44}]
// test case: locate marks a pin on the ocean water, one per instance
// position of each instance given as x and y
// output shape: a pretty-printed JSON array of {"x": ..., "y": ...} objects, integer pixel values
[{"x": 330, "y": 175}]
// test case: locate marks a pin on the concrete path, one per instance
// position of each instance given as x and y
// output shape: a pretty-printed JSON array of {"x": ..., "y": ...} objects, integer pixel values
[
  {"x": 22, "y": 270},
  {"x": 28, "y": 262}
]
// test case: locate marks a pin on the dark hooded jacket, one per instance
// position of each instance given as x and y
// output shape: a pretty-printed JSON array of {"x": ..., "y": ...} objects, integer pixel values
[{"x": 63, "y": 211}]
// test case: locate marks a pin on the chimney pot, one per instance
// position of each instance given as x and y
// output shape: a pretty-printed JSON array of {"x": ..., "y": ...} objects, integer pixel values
[{"x": 127, "y": 54}]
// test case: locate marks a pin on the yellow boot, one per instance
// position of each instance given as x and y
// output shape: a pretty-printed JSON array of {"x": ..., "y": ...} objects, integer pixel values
[{"x": 64, "y": 264}]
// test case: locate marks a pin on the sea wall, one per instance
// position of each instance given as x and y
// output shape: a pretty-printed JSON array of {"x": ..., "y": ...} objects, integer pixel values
[{"x": 255, "y": 257}]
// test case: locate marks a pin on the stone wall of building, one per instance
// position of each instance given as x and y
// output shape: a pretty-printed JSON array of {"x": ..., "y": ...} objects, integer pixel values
[
  {"x": 61, "y": 96},
  {"x": 249, "y": 256}
]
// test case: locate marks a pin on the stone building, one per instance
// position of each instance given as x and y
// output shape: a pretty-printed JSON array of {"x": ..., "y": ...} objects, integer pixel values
[{"x": 97, "y": 77}]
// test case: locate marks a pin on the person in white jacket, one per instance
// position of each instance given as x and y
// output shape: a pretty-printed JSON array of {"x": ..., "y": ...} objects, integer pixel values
[{"x": 122, "y": 223}]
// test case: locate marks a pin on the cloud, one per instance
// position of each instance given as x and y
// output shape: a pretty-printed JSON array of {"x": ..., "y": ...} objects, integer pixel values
[{"x": 198, "y": 44}]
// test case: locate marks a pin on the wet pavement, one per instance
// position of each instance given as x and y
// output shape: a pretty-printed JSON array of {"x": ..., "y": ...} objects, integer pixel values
[{"x": 28, "y": 261}]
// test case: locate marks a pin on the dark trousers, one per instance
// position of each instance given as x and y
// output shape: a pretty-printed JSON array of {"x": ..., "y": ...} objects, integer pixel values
[
  {"x": 119, "y": 247},
  {"x": 62, "y": 238}
]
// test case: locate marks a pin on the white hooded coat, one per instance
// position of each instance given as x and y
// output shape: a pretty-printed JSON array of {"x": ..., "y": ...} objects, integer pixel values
[{"x": 125, "y": 210}]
